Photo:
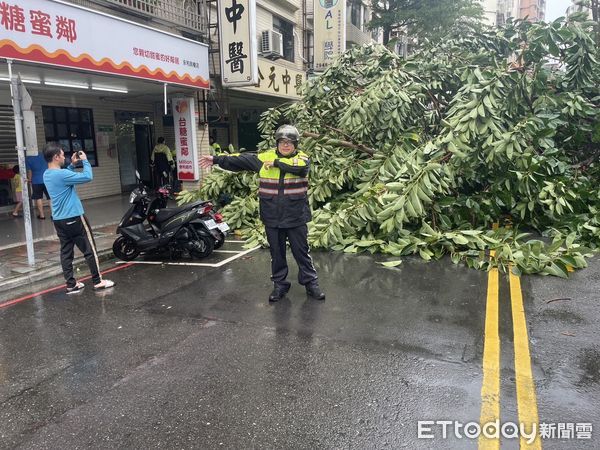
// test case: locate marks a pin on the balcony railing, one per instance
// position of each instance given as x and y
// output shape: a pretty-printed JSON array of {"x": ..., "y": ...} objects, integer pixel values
[{"x": 188, "y": 14}]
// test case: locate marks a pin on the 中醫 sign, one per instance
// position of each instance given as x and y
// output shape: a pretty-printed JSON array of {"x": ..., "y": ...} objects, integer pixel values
[
  {"x": 58, "y": 33},
  {"x": 237, "y": 35}
]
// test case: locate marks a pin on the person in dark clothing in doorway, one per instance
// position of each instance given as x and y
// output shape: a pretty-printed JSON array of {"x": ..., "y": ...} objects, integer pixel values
[
  {"x": 72, "y": 227},
  {"x": 284, "y": 208},
  {"x": 162, "y": 161}
]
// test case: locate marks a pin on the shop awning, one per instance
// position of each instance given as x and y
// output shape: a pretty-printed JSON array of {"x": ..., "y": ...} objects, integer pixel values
[{"x": 64, "y": 35}]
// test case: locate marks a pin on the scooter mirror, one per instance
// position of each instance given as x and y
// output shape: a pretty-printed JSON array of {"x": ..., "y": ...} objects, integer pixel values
[{"x": 137, "y": 175}]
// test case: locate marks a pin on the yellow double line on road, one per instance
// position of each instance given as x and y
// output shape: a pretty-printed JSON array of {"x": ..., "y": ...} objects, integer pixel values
[{"x": 490, "y": 389}]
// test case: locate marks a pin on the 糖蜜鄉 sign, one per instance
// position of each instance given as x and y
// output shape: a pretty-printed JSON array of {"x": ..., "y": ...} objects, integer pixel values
[{"x": 61, "y": 34}]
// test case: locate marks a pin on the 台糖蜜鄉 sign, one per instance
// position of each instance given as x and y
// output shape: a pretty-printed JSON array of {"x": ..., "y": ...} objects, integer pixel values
[
  {"x": 184, "y": 121},
  {"x": 61, "y": 34}
]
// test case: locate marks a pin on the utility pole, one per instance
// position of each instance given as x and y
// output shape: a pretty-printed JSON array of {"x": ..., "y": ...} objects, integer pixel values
[{"x": 15, "y": 93}]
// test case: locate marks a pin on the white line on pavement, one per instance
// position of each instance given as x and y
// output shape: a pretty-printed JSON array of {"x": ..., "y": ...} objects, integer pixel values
[{"x": 219, "y": 264}]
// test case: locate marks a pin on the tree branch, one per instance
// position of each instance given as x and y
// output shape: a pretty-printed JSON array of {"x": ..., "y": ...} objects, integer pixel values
[{"x": 360, "y": 147}]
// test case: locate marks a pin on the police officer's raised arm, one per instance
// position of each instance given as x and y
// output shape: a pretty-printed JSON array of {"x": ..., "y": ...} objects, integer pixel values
[{"x": 237, "y": 163}]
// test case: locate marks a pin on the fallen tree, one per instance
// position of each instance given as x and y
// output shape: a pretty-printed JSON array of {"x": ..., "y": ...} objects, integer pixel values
[{"x": 422, "y": 156}]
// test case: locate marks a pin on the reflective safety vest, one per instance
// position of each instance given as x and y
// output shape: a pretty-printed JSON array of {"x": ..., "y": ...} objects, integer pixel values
[
  {"x": 282, "y": 195},
  {"x": 269, "y": 179}
]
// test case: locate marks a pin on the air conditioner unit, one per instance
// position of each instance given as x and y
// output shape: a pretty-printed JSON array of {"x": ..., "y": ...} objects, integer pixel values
[{"x": 271, "y": 44}]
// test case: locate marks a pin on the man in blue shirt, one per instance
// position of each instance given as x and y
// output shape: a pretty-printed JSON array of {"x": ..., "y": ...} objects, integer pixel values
[
  {"x": 36, "y": 166},
  {"x": 72, "y": 227}
]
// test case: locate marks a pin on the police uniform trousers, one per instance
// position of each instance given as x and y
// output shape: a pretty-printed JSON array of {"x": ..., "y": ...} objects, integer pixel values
[{"x": 297, "y": 237}]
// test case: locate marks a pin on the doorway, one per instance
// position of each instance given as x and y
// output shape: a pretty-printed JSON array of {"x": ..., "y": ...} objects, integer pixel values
[
  {"x": 248, "y": 136},
  {"x": 134, "y": 145}
]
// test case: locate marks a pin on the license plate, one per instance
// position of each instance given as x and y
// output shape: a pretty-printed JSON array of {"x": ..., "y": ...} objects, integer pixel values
[
  {"x": 223, "y": 227},
  {"x": 210, "y": 224}
]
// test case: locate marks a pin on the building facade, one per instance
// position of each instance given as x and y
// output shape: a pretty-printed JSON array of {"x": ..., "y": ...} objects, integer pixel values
[
  {"x": 285, "y": 37},
  {"x": 532, "y": 10},
  {"x": 575, "y": 7},
  {"x": 497, "y": 12},
  {"x": 117, "y": 119}
]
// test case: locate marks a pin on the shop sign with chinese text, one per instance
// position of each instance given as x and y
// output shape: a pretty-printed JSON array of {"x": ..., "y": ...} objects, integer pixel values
[
  {"x": 184, "y": 123},
  {"x": 278, "y": 80},
  {"x": 237, "y": 35},
  {"x": 329, "y": 31},
  {"x": 62, "y": 34}
]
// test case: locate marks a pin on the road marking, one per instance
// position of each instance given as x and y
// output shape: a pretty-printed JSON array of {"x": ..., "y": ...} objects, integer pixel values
[
  {"x": 490, "y": 388},
  {"x": 174, "y": 263},
  {"x": 526, "y": 398}
]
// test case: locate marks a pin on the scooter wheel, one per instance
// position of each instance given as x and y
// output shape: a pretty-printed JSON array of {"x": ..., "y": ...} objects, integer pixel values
[
  {"x": 205, "y": 246},
  {"x": 125, "y": 249}
]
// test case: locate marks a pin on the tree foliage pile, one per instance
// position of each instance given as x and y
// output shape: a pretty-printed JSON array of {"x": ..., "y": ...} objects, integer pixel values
[{"x": 480, "y": 128}]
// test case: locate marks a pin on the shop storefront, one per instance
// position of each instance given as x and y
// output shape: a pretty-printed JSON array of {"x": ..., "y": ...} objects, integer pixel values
[{"x": 104, "y": 96}]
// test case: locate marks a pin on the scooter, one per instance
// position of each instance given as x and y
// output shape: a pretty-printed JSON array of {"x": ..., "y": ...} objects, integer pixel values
[{"x": 149, "y": 226}]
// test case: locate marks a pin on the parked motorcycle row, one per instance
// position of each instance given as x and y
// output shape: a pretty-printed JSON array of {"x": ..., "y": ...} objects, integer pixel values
[{"x": 149, "y": 227}]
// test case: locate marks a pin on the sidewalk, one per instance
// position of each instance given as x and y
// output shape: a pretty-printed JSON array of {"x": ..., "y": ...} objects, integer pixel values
[{"x": 15, "y": 272}]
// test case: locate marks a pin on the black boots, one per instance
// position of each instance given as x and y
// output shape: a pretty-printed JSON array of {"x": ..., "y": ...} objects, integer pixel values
[
  {"x": 277, "y": 295},
  {"x": 315, "y": 292}
]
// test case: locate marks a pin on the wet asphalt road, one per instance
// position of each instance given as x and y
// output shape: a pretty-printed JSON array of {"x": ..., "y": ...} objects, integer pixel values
[{"x": 195, "y": 357}]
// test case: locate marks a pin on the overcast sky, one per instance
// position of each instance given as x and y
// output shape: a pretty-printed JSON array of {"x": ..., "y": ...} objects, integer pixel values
[{"x": 556, "y": 8}]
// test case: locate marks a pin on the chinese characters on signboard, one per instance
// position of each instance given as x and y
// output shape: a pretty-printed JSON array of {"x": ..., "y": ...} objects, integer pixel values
[
  {"x": 237, "y": 33},
  {"x": 184, "y": 123},
  {"x": 36, "y": 21},
  {"x": 329, "y": 31},
  {"x": 66, "y": 35},
  {"x": 276, "y": 79}
]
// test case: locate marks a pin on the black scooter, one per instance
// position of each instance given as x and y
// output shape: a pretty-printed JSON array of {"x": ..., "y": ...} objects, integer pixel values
[{"x": 149, "y": 226}]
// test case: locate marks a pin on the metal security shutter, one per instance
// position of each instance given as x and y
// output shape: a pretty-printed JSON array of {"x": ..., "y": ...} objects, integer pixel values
[{"x": 8, "y": 138}]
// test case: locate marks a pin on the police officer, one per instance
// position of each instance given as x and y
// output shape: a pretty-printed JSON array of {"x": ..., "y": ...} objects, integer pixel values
[
  {"x": 214, "y": 147},
  {"x": 284, "y": 208}
]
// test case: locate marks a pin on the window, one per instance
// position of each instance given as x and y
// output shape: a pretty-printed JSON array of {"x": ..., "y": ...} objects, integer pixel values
[
  {"x": 355, "y": 9},
  {"x": 73, "y": 128},
  {"x": 287, "y": 31}
]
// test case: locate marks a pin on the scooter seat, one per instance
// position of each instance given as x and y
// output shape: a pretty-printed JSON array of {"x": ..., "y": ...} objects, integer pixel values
[{"x": 165, "y": 214}]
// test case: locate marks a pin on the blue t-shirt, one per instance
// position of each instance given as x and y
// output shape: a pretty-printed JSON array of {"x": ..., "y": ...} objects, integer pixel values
[
  {"x": 61, "y": 187},
  {"x": 37, "y": 165}
]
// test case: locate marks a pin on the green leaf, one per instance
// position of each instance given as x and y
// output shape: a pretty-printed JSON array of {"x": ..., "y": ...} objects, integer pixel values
[{"x": 391, "y": 263}]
